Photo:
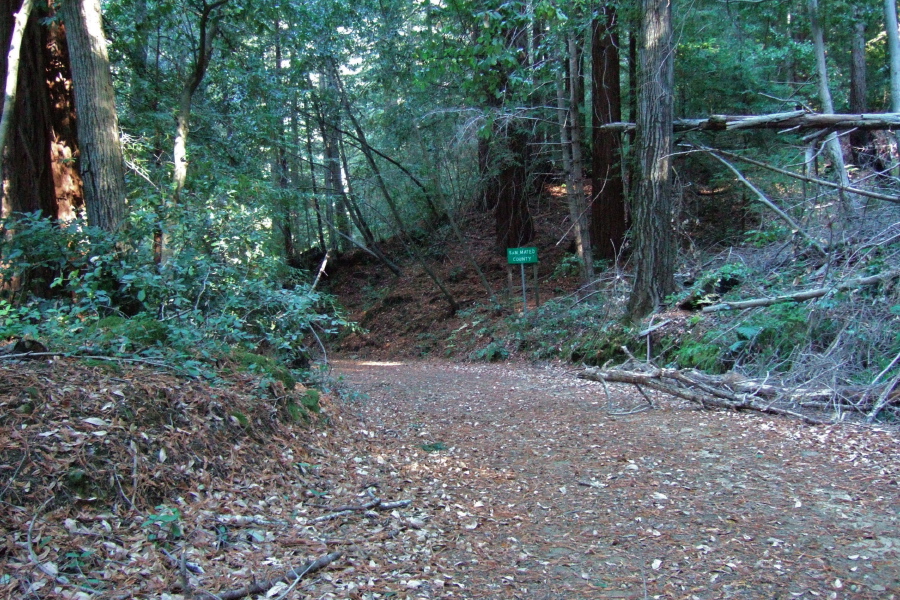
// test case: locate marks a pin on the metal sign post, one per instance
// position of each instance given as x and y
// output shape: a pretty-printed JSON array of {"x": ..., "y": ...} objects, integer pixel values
[{"x": 523, "y": 256}]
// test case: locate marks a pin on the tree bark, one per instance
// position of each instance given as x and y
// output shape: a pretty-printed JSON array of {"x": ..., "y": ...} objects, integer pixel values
[
  {"x": 568, "y": 118},
  {"x": 832, "y": 143},
  {"x": 608, "y": 213},
  {"x": 208, "y": 27},
  {"x": 101, "y": 162},
  {"x": 12, "y": 71},
  {"x": 655, "y": 243},
  {"x": 893, "y": 46},
  {"x": 859, "y": 138},
  {"x": 27, "y": 115}
]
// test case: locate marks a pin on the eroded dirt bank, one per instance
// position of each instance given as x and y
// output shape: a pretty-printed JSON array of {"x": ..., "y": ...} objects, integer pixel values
[{"x": 528, "y": 488}]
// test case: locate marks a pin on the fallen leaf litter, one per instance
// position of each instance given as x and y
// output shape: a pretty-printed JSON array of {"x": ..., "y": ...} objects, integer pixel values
[{"x": 440, "y": 481}]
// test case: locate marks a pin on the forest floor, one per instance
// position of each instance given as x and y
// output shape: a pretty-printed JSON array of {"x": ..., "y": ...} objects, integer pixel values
[
  {"x": 529, "y": 486},
  {"x": 428, "y": 480}
]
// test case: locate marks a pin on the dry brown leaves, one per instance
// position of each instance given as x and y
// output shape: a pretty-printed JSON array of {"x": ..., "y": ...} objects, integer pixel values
[{"x": 448, "y": 481}]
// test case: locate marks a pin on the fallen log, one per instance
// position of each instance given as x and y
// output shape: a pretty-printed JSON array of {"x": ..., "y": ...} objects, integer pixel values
[
  {"x": 806, "y": 294},
  {"x": 798, "y": 120}
]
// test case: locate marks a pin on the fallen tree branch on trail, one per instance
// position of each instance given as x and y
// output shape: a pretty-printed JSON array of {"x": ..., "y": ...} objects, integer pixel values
[
  {"x": 680, "y": 385},
  {"x": 805, "y": 295},
  {"x": 734, "y": 392},
  {"x": 263, "y": 586},
  {"x": 797, "y": 120}
]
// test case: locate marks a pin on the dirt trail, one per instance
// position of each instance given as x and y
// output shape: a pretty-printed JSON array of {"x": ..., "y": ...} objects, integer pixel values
[{"x": 533, "y": 490}]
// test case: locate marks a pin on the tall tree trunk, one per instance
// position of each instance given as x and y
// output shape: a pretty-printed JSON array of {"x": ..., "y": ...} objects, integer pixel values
[
  {"x": 570, "y": 143},
  {"x": 655, "y": 243},
  {"x": 320, "y": 230},
  {"x": 832, "y": 142},
  {"x": 512, "y": 219},
  {"x": 27, "y": 115},
  {"x": 893, "y": 45},
  {"x": 859, "y": 139},
  {"x": 208, "y": 27},
  {"x": 12, "y": 70},
  {"x": 101, "y": 162},
  {"x": 608, "y": 215},
  {"x": 64, "y": 135}
]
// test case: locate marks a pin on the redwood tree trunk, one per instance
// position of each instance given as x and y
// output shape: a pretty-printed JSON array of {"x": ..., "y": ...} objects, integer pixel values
[
  {"x": 28, "y": 164},
  {"x": 655, "y": 243},
  {"x": 608, "y": 215},
  {"x": 100, "y": 162}
]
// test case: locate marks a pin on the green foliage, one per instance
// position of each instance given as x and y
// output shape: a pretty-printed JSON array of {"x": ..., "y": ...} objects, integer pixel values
[
  {"x": 164, "y": 526},
  {"x": 493, "y": 352},
  {"x": 264, "y": 365},
  {"x": 699, "y": 354},
  {"x": 570, "y": 265},
  {"x": 94, "y": 293},
  {"x": 434, "y": 447},
  {"x": 579, "y": 332}
]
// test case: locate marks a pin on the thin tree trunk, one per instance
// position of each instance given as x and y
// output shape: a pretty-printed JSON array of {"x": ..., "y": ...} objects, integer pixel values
[
  {"x": 893, "y": 48},
  {"x": 208, "y": 27},
  {"x": 655, "y": 243},
  {"x": 101, "y": 162},
  {"x": 569, "y": 132},
  {"x": 388, "y": 198},
  {"x": 608, "y": 215},
  {"x": 832, "y": 142},
  {"x": 357, "y": 217},
  {"x": 320, "y": 230}
]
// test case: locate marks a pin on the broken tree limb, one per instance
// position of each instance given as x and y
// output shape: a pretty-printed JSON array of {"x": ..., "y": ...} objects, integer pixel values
[
  {"x": 798, "y": 120},
  {"x": 795, "y": 227},
  {"x": 805, "y": 295},
  {"x": 263, "y": 586},
  {"x": 817, "y": 181}
]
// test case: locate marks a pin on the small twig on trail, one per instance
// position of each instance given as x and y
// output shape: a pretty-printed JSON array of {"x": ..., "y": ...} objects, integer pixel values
[
  {"x": 121, "y": 491},
  {"x": 13, "y": 478},
  {"x": 181, "y": 563},
  {"x": 262, "y": 586},
  {"x": 376, "y": 504},
  {"x": 51, "y": 573}
]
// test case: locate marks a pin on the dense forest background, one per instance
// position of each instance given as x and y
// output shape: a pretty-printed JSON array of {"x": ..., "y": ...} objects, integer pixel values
[{"x": 178, "y": 175}]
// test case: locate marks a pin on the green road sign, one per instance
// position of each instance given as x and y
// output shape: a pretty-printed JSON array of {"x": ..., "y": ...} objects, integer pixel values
[{"x": 521, "y": 256}]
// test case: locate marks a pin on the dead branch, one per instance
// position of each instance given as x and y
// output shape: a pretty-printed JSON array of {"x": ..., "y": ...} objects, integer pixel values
[
  {"x": 807, "y": 294},
  {"x": 263, "y": 586},
  {"x": 816, "y": 180},
  {"x": 884, "y": 400},
  {"x": 795, "y": 227},
  {"x": 797, "y": 120},
  {"x": 374, "y": 504},
  {"x": 681, "y": 384}
]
